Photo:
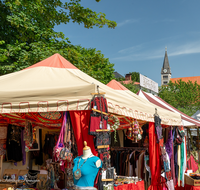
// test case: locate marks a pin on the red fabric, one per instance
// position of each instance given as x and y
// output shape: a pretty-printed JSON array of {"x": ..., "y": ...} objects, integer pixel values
[
  {"x": 154, "y": 155},
  {"x": 188, "y": 187},
  {"x": 132, "y": 186},
  {"x": 80, "y": 122},
  {"x": 192, "y": 164}
]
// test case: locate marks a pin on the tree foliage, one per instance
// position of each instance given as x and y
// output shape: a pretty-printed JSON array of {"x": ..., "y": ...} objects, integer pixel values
[
  {"x": 135, "y": 77},
  {"x": 27, "y": 35},
  {"x": 184, "y": 96},
  {"x": 132, "y": 87}
]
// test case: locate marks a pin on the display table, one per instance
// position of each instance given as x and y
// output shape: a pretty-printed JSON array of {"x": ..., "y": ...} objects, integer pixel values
[
  {"x": 132, "y": 186},
  {"x": 188, "y": 187}
]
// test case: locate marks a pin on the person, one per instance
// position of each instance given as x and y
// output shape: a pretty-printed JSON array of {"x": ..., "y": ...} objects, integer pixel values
[{"x": 85, "y": 169}]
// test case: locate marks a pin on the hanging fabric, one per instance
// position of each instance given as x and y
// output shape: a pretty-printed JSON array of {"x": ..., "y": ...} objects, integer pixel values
[
  {"x": 80, "y": 122},
  {"x": 154, "y": 162},
  {"x": 164, "y": 154}
]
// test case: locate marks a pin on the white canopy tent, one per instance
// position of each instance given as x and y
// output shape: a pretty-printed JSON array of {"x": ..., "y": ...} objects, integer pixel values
[{"x": 54, "y": 84}]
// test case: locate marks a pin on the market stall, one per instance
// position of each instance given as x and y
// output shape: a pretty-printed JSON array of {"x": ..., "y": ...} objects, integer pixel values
[
  {"x": 191, "y": 126},
  {"x": 156, "y": 157},
  {"x": 47, "y": 95}
]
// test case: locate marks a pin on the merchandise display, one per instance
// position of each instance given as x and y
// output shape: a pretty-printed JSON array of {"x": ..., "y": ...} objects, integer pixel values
[
  {"x": 93, "y": 146},
  {"x": 86, "y": 168}
]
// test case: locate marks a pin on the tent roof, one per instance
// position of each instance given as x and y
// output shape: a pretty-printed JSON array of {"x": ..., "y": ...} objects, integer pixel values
[
  {"x": 55, "y": 61},
  {"x": 186, "y": 120},
  {"x": 116, "y": 85},
  {"x": 119, "y": 88},
  {"x": 56, "y": 85}
]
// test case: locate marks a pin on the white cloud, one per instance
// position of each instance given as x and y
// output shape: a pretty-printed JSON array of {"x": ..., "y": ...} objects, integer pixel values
[
  {"x": 140, "y": 52},
  {"x": 127, "y": 22}
]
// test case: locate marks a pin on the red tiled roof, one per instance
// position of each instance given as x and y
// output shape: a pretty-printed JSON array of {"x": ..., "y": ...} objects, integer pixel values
[
  {"x": 186, "y": 79},
  {"x": 116, "y": 85},
  {"x": 129, "y": 81}
]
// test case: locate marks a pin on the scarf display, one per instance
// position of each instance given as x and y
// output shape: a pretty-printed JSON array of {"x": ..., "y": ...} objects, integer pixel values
[{"x": 164, "y": 154}]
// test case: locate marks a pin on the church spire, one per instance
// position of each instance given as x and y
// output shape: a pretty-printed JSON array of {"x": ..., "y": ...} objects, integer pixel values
[{"x": 166, "y": 68}]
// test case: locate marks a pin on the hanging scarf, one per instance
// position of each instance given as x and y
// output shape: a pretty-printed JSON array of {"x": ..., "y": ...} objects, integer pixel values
[{"x": 165, "y": 156}]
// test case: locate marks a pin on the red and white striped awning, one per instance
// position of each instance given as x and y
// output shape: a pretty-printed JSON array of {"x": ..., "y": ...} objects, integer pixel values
[{"x": 186, "y": 120}]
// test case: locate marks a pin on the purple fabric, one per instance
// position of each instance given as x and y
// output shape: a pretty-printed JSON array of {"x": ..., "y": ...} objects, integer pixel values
[
  {"x": 23, "y": 148},
  {"x": 172, "y": 164},
  {"x": 15, "y": 163},
  {"x": 169, "y": 144}
]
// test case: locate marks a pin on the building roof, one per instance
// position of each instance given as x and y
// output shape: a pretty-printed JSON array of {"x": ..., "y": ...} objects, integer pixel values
[
  {"x": 186, "y": 79},
  {"x": 117, "y": 75},
  {"x": 129, "y": 81},
  {"x": 166, "y": 64}
]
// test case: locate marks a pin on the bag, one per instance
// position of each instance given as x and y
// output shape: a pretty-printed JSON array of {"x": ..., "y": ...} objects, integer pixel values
[
  {"x": 98, "y": 120},
  {"x": 178, "y": 139},
  {"x": 60, "y": 143},
  {"x": 100, "y": 103},
  {"x": 95, "y": 122},
  {"x": 102, "y": 138},
  {"x": 65, "y": 153}
]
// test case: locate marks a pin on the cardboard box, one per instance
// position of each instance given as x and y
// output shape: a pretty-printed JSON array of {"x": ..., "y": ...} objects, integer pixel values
[
  {"x": 10, "y": 172},
  {"x": 191, "y": 181}
]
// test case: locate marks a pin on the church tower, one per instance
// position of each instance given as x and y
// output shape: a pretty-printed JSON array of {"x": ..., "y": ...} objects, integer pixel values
[{"x": 165, "y": 71}]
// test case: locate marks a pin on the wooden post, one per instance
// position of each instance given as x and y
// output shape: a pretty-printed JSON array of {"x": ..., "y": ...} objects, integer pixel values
[{"x": 1, "y": 167}]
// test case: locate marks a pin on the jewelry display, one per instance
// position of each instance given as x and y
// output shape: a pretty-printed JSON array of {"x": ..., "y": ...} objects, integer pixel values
[
  {"x": 77, "y": 173},
  {"x": 31, "y": 179}
]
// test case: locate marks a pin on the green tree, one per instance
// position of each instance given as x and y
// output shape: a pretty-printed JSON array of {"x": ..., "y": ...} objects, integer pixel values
[
  {"x": 184, "y": 96},
  {"x": 27, "y": 35},
  {"x": 132, "y": 87},
  {"x": 135, "y": 76}
]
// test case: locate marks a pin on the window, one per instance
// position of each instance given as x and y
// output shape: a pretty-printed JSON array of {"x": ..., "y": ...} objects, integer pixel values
[
  {"x": 165, "y": 82},
  {"x": 165, "y": 77}
]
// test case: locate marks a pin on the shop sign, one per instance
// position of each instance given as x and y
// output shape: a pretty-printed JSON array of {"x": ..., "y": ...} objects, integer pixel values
[{"x": 148, "y": 83}]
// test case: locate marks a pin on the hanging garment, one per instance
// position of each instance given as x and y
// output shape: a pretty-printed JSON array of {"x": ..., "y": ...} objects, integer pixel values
[
  {"x": 23, "y": 147},
  {"x": 80, "y": 122},
  {"x": 14, "y": 148},
  {"x": 179, "y": 164},
  {"x": 184, "y": 163},
  {"x": 169, "y": 144},
  {"x": 154, "y": 155},
  {"x": 88, "y": 169},
  {"x": 193, "y": 165}
]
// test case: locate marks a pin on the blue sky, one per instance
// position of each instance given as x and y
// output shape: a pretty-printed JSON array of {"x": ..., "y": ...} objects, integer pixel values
[{"x": 145, "y": 28}]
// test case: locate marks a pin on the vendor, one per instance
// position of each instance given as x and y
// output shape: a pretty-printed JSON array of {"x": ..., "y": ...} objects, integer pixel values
[{"x": 86, "y": 168}]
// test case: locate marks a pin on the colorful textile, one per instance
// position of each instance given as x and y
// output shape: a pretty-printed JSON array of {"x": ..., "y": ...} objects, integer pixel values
[
  {"x": 192, "y": 163},
  {"x": 184, "y": 163},
  {"x": 169, "y": 144},
  {"x": 179, "y": 163},
  {"x": 154, "y": 155},
  {"x": 80, "y": 122},
  {"x": 3, "y": 138},
  {"x": 88, "y": 169},
  {"x": 138, "y": 186}
]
